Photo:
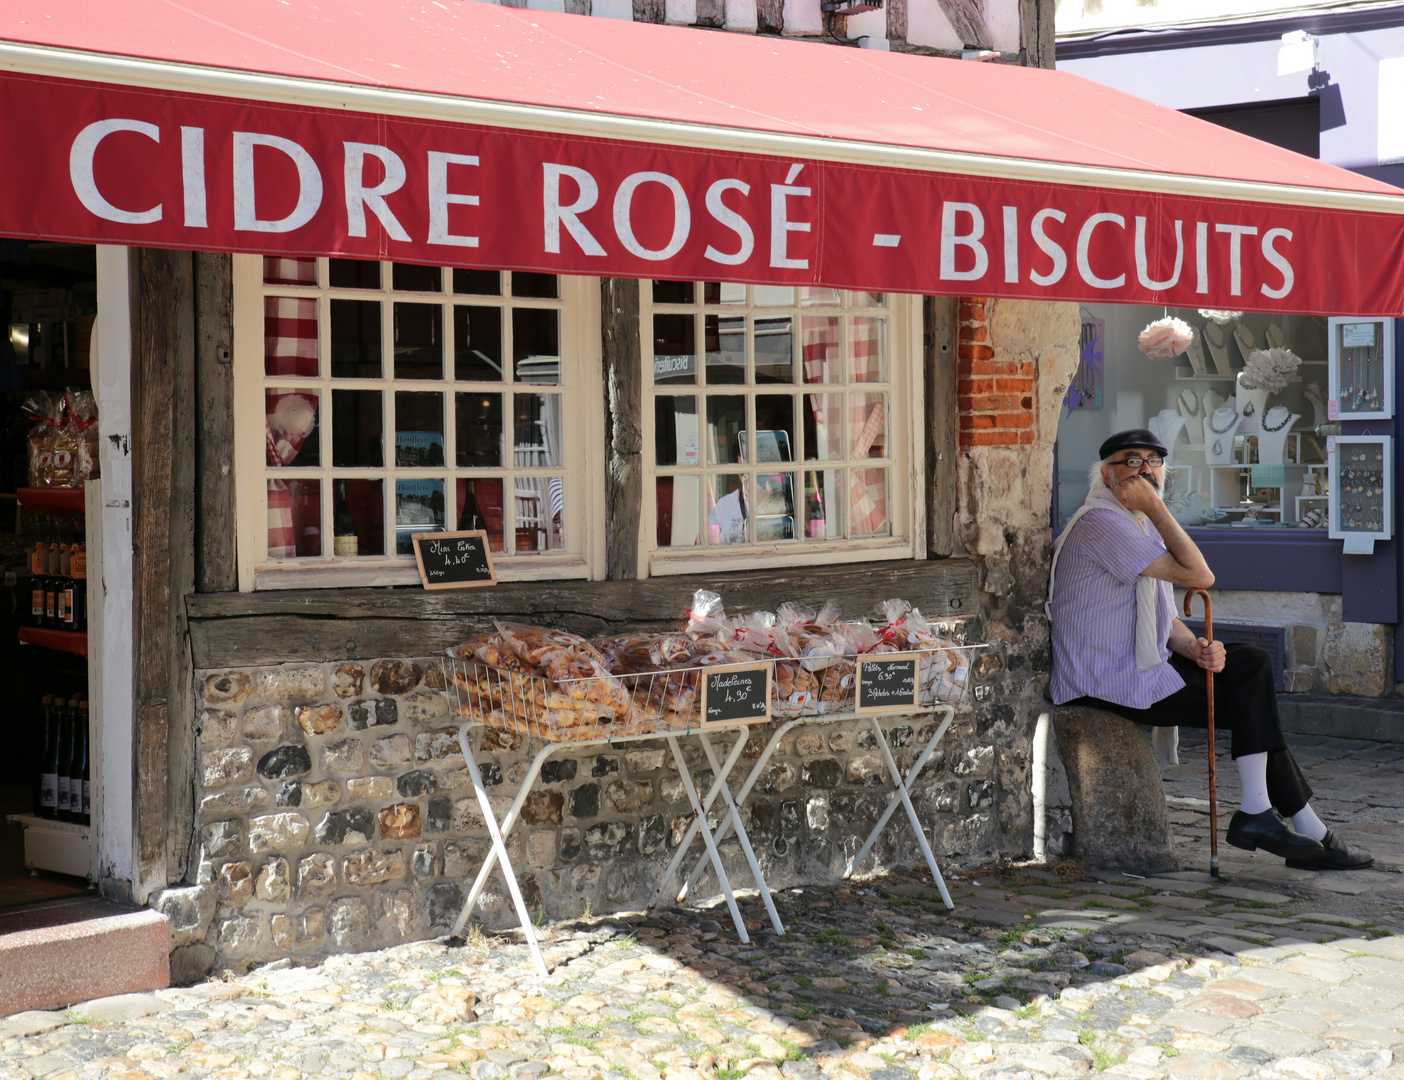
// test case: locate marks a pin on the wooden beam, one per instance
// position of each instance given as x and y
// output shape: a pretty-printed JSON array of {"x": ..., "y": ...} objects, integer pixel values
[
  {"x": 942, "y": 423},
  {"x": 770, "y": 16},
  {"x": 255, "y": 629},
  {"x": 622, "y": 352},
  {"x": 215, "y": 567},
  {"x": 163, "y": 408},
  {"x": 967, "y": 19},
  {"x": 710, "y": 13},
  {"x": 1036, "y": 29},
  {"x": 896, "y": 20},
  {"x": 651, "y": 11}
]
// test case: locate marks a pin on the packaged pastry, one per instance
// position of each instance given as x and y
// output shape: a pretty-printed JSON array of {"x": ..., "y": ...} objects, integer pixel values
[
  {"x": 82, "y": 408},
  {"x": 45, "y": 412}
]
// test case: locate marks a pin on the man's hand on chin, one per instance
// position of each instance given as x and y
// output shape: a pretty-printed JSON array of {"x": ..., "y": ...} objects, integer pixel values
[{"x": 1137, "y": 493}]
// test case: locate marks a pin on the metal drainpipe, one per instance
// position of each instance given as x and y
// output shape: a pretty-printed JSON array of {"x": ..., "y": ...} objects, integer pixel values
[{"x": 1040, "y": 787}]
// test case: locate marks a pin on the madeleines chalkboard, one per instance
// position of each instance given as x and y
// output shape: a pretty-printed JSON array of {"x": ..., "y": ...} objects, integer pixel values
[
  {"x": 454, "y": 560},
  {"x": 736, "y": 694},
  {"x": 887, "y": 683}
]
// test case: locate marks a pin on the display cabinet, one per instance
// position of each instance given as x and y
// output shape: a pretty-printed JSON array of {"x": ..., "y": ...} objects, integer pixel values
[
  {"x": 1360, "y": 360},
  {"x": 1361, "y": 490}
]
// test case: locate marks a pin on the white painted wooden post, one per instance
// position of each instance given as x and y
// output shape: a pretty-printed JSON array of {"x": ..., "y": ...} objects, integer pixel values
[{"x": 110, "y": 583}]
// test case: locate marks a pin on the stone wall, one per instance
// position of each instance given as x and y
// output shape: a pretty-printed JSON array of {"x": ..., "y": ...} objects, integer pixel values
[{"x": 335, "y": 812}]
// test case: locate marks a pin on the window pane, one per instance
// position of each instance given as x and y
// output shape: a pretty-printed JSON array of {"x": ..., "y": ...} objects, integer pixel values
[
  {"x": 477, "y": 344},
  {"x": 291, "y": 417},
  {"x": 775, "y": 428},
  {"x": 820, "y": 296},
  {"x": 409, "y": 278},
  {"x": 823, "y": 427},
  {"x": 294, "y": 518},
  {"x": 775, "y": 507},
  {"x": 677, "y": 511},
  {"x": 419, "y": 430},
  {"x": 540, "y": 507},
  {"x": 819, "y": 349},
  {"x": 726, "y": 349},
  {"x": 672, "y": 292},
  {"x": 674, "y": 349},
  {"x": 283, "y": 271},
  {"x": 727, "y": 293},
  {"x": 868, "y": 350},
  {"x": 479, "y": 430},
  {"x": 712, "y": 292},
  {"x": 728, "y": 504},
  {"x": 358, "y": 436},
  {"x": 355, "y": 339},
  {"x": 419, "y": 349},
  {"x": 536, "y": 344},
  {"x": 480, "y": 507},
  {"x": 358, "y": 517},
  {"x": 478, "y": 282},
  {"x": 821, "y": 505},
  {"x": 353, "y": 274},
  {"x": 867, "y": 299},
  {"x": 536, "y": 429},
  {"x": 289, "y": 336},
  {"x": 772, "y": 295},
  {"x": 775, "y": 342},
  {"x": 419, "y": 507},
  {"x": 867, "y": 502},
  {"x": 545, "y": 286},
  {"x": 726, "y": 419},
  {"x": 868, "y": 423},
  {"x": 675, "y": 434}
]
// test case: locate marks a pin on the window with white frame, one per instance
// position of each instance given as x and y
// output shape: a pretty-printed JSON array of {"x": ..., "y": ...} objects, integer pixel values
[
  {"x": 399, "y": 399},
  {"x": 779, "y": 424}
]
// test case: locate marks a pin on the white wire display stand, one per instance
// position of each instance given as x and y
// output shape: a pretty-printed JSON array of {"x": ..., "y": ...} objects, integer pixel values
[{"x": 665, "y": 705}]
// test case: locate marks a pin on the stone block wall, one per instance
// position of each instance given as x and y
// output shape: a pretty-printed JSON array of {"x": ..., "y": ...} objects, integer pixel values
[{"x": 335, "y": 813}]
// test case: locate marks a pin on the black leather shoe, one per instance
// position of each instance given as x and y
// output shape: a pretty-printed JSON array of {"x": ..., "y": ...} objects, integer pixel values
[
  {"x": 1337, "y": 855},
  {"x": 1271, "y": 833}
]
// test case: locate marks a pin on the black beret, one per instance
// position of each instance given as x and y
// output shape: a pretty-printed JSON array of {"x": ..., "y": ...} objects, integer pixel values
[{"x": 1139, "y": 438}]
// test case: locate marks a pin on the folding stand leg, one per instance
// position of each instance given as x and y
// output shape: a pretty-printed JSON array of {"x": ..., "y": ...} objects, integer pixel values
[
  {"x": 902, "y": 795},
  {"x": 741, "y": 831},
  {"x": 725, "y": 826},
  {"x": 499, "y": 850},
  {"x": 718, "y": 777},
  {"x": 691, "y": 790}
]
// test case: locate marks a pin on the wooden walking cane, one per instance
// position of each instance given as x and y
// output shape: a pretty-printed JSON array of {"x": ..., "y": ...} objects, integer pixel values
[{"x": 1209, "y": 688}]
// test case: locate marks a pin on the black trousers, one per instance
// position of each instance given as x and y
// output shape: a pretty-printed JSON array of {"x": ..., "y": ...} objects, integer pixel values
[{"x": 1245, "y": 703}]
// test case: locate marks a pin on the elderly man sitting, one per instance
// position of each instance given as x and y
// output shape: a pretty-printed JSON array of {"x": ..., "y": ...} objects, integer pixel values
[{"x": 1118, "y": 646}]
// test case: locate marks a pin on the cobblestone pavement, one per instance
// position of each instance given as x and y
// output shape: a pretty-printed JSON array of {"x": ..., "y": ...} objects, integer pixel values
[{"x": 1039, "y": 972}]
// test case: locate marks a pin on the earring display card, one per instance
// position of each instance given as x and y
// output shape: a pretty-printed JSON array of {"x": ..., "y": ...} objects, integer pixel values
[
  {"x": 1361, "y": 486},
  {"x": 1361, "y": 366}
]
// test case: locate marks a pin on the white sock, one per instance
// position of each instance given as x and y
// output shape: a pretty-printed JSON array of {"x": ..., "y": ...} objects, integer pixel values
[
  {"x": 1307, "y": 823},
  {"x": 1252, "y": 774}
]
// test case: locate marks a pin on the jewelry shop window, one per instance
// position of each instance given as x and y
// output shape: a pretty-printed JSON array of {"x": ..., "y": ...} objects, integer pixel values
[
  {"x": 779, "y": 424},
  {"x": 396, "y": 399},
  {"x": 1238, "y": 398}
]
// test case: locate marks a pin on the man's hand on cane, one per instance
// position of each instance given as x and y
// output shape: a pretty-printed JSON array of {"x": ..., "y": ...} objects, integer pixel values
[{"x": 1208, "y": 654}]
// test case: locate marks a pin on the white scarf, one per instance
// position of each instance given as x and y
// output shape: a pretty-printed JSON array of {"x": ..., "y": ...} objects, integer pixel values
[{"x": 1148, "y": 641}]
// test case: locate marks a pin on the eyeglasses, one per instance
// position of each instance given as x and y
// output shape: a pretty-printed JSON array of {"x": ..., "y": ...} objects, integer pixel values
[{"x": 1137, "y": 462}]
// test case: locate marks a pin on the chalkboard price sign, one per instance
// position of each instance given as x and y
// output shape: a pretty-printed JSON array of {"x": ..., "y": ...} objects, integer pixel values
[
  {"x": 454, "y": 560},
  {"x": 887, "y": 683},
  {"x": 735, "y": 693}
]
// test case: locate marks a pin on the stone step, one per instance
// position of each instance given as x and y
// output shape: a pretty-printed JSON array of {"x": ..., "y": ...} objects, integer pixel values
[
  {"x": 1375, "y": 719},
  {"x": 66, "y": 951}
]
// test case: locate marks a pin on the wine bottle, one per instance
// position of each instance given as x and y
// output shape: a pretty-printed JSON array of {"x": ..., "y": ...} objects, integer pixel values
[
  {"x": 48, "y": 764},
  {"x": 78, "y": 601},
  {"x": 345, "y": 541},
  {"x": 38, "y": 570},
  {"x": 79, "y": 794},
  {"x": 64, "y": 759}
]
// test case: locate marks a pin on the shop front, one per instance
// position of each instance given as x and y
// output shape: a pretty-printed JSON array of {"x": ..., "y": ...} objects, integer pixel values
[{"x": 648, "y": 342}]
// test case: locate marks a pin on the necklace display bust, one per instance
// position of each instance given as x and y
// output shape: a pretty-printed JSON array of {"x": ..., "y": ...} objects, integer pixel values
[{"x": 1220, "y": 426}]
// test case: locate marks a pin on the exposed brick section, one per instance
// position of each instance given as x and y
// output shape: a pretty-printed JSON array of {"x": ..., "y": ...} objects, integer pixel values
[{"x": 995, "y": 398}]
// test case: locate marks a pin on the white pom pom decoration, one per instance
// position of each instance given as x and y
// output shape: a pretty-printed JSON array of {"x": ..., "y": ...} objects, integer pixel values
[
  {"x": 1270, "y": 369},
  {"x": 1165, "y": 338},
  {"x": 1223, "y": 318}
]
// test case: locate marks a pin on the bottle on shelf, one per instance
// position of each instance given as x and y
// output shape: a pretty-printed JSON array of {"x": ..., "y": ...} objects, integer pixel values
[
  {"x": 77, "y": 602},
  {"x": 48, "y": 764},
  {"x": 51, "y": 589},
  {"x": 63, "y": 760},
  {"x": 80, "y": 781},
  {"x": 345, "y": 541},
  {"x": 65, "y": 587},
  {"x": 38, "y": 571}
]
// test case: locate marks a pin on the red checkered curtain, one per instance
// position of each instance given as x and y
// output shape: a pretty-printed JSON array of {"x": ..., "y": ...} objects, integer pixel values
[
  {"x": 288, "y": 517},
  {"x": 289, "y": 336}
]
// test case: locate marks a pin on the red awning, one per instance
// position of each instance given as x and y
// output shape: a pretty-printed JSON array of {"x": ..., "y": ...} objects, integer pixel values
[{"x": 470, "y": 134}]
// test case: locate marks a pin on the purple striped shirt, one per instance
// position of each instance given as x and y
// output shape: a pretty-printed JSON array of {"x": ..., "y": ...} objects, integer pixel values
[{"x": 1093, "y": 614}]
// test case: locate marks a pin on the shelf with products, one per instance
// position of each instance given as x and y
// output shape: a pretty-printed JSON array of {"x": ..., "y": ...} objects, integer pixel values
[{"x": 70, "y": 641}]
